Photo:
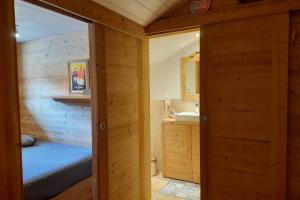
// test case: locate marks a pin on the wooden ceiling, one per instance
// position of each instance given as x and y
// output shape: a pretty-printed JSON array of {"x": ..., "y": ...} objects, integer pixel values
[
  {"x": 141, "y": 11},
  {"x": 34, "y": 22}
]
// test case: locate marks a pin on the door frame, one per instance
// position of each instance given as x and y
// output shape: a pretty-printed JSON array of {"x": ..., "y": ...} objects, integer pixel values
[
  {"x": 11, "y": 186},
  {"x": 203, "y": 123},
  {"x": 98, "y": 101},
  {"x": 202, "y": 98},
  {"x": 99, "y": 119}
]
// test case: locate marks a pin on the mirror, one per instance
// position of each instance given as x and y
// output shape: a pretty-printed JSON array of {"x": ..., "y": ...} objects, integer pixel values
[{"x": 190, "y": 77}]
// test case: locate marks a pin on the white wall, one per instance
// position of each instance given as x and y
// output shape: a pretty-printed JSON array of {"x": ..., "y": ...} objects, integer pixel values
[{"x": 165, "y": 57}]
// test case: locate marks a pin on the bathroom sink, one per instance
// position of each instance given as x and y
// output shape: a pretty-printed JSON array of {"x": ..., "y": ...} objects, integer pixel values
[{"x": 187, "y": 116}]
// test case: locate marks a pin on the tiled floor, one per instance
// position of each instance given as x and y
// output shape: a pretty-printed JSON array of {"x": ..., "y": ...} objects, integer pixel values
[{"x": 157, "y": 183}]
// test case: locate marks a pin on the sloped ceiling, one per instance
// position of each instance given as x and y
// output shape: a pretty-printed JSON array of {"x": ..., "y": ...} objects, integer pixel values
[
  {"x": 34, "y": 22},
  {"x": 141, "y": 11}
]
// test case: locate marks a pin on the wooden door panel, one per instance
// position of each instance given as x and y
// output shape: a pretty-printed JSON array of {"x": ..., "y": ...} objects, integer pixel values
[
  {"x": 121, "y": 64},
  {"x": 294, "y": 110},
  {"x": 177, "y": 151},
  {"x": 120, "y": 115},
  {"x": 243, "y": 92}
]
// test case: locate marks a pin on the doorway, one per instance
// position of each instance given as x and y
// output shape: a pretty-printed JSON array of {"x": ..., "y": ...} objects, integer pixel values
[
  {"x": 56, "y": 64},
  {"x": 174, "y": 116}
]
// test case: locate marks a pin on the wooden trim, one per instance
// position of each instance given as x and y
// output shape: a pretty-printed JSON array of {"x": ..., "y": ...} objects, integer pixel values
[
  {"x": 280, "y": 61},
  {"x": 197, "y": 77},
  {"x": 11, "y": 186},
  {"x": 174, "y": 33},
  {"x": 82, "y": 191},
  {"x": 99, "y": 112},
  {"x": 184, "y": 61},
  {"x": 144, "y": 118},
  {"x": 224, "y": 14},
  {"x": 203, "y": 111},
  {"x": 57, "y": 10},
  {"x": 95, "y": 12}
]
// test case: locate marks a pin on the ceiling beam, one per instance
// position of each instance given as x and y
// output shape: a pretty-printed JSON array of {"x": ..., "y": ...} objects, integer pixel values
[
  {"x": 56, "y": 9},
  {"x": 97, "y": 13},
  {"x": 220, "y": 15},
  {"x": 174, "y": 8}
]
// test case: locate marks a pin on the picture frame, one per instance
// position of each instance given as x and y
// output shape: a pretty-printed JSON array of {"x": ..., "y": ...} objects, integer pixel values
[{"x": 78, "y": 76}]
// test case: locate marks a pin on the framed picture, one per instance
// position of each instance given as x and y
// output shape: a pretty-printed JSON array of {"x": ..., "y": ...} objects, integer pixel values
[{"x": 78, "y": 76}]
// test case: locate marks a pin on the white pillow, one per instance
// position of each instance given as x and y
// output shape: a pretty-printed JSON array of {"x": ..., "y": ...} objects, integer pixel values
[{"x": 27, "y": 140}]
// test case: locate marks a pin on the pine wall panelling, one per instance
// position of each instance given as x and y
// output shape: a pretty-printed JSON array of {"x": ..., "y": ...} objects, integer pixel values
[{"x": 43, "y": 68}]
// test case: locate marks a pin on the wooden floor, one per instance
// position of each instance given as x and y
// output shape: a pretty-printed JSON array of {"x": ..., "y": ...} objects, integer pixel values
[{"x": 157, "y": 183}]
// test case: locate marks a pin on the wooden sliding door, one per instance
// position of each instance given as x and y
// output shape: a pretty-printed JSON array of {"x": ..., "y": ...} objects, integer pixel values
[
  {"x": 10, "y": 147},
  {"x": 244, "y": 95},
  {"x": 293, "y": 109},
  {"x": 124, "y": 123},
  {"x": 120, "y": 117}
]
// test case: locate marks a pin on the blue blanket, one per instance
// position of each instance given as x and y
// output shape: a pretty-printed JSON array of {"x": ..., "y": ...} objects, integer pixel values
[{"x": 51, "y": 168}]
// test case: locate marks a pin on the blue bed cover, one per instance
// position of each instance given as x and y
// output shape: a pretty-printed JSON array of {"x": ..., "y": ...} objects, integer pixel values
[{"x": 51, "y": 168}]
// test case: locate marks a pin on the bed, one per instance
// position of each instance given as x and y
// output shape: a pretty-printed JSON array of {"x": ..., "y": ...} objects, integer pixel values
[{"x": 51, "y": 169}]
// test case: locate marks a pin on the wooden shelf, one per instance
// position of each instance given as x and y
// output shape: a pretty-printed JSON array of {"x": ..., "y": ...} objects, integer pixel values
[{"x": 74, "y": 98}]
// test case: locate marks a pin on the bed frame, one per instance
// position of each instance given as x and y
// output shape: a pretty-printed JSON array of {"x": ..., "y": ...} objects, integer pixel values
[{"x": 82, "y": 191}]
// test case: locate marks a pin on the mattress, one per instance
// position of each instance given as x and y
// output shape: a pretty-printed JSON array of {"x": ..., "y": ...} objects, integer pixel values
[{"x": 51, "y": 168}]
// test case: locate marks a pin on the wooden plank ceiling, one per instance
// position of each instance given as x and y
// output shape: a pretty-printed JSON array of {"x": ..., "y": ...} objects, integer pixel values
[
  {"x": 34, "y": 22},
  {"x": 141, "y": 11}
]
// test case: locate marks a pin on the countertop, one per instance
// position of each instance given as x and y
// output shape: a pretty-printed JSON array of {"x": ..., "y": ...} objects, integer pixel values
[{"x": 174, "y": 121}]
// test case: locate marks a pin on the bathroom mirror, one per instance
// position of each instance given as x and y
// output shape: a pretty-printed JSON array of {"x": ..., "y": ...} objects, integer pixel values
[{"x": 190, "y": 77}]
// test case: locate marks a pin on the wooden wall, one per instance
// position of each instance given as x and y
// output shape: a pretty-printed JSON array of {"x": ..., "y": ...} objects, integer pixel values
[
  {"x": 294, "y": 110},
  {"x": 244, "y": 95},
  {"x": 10, "y": 147},
  {"x": 43, "y": 68}
]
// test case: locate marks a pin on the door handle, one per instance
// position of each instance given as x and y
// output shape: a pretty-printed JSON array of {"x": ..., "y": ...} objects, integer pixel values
[
  {"x": 203, "y": 117},
  {"x": 101, "y": 125}
]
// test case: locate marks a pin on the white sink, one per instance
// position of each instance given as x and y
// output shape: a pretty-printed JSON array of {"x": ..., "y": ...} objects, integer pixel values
[{"x": 187, "y": 116}]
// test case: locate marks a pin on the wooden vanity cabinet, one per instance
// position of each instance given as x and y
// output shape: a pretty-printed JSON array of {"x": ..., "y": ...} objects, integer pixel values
[
  {"x": 196, "y": 153},
  {"x": 181, "y": 151}
]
